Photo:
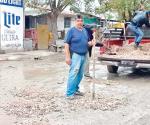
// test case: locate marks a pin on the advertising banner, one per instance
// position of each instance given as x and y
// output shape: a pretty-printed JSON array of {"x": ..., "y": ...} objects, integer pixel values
[{"x": 11, "y": 24}]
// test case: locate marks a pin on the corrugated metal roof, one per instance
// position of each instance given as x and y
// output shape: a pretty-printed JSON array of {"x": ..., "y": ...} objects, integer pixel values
[{"x": 35, "y": 12}]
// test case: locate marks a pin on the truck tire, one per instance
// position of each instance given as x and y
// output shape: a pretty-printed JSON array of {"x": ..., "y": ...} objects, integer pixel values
[{"x": 112, "y": 69}]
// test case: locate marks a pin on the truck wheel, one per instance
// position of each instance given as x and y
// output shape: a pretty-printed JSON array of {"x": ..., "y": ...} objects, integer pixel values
[{"x": 112, "y": 69}]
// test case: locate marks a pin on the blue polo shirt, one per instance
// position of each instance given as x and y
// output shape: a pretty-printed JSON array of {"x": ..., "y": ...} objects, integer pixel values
[{"x": 77, "y": 40}]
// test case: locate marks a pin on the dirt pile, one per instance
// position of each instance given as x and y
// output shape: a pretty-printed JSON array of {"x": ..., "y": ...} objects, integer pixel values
[{"x": 130, "y": 52}]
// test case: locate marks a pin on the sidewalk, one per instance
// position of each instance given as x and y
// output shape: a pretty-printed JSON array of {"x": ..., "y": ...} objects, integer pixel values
[{"x": 18, "y": 56}]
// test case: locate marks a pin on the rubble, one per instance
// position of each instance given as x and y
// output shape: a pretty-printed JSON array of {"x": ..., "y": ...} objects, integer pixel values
[
  {"x": 32, "y": 101},
  {"x": 100, "y": 102},
  {"x": 36, "y": 102},
  {"x": 129, "y": 52}
]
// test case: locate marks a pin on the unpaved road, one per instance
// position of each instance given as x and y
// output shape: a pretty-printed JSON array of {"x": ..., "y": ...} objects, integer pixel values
[{"x": 32, "y": 93}]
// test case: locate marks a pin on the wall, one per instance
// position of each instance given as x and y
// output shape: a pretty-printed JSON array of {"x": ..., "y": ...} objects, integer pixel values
[{"x": 60, "y": 23}]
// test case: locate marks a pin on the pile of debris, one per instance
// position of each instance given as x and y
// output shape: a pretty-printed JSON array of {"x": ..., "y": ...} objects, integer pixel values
[
  {"x": 130, "y": 52},
  {"x": 32, "y": 101},
  {"x": 100, "y": 102},
  {"x": 32, "y": 104}
]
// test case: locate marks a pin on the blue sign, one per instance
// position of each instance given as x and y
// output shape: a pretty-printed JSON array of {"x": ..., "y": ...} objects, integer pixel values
[
  {"x": 11, "y": 19},
  {"x": 16, "y": 3}
]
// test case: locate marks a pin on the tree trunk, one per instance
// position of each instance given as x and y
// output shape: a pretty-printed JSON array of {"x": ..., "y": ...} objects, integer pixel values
[
  {"x": 123, "y": 15},
  {"x": 52, "y": 24},
  {"x": 130, "y": 15}
]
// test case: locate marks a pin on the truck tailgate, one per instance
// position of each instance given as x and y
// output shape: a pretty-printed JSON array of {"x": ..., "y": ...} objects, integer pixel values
[{"x": 117, "y": 59}]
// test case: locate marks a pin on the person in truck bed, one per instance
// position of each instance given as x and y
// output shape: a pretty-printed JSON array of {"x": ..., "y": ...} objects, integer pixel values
[{"x": 137, "y": 22}]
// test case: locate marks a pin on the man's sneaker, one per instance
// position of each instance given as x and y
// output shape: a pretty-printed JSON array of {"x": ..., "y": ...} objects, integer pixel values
[
  {"x": 79, "y": 93},
  {"x": 135, "y": 46},
  {"x": 70, "y": 97}
]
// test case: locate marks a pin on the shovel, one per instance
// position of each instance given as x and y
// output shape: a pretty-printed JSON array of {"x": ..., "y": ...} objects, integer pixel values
[{"x": 93, "y": 54}]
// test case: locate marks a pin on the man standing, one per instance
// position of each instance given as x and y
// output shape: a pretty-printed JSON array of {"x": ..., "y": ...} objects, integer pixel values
[
  {"x": 76, "y": 48},
  {"x": 97, "y": 44},
  {"x": 136, "y": 23}
]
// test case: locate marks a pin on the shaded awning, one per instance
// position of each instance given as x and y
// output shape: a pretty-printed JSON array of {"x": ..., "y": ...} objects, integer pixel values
[{"x": 90, "y": 20}]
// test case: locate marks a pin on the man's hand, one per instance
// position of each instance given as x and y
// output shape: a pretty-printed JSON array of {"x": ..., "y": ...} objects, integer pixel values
[
  {"x": 68, "y": 61},
  {"x": 92, "y": 43},
  {"x": 67, "y": 54}
]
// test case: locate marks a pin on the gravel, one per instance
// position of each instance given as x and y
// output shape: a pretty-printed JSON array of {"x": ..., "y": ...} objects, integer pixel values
[{"x": 31, "y": 104}]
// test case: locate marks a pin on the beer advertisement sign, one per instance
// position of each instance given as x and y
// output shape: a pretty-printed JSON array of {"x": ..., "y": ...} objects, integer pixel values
[{"x": 11, "y": 24}]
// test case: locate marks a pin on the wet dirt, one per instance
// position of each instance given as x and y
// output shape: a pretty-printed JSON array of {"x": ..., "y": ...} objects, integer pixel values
[{"x": 32, "y": 92}]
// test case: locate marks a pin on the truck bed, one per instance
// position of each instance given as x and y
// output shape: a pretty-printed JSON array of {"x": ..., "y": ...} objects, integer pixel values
[{"x": 119, "y": 50}]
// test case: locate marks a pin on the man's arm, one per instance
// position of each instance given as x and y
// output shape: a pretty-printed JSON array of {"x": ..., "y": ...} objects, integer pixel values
[
  {"x": 68, "y": 38},
  {"x": 67, "y": 54}
]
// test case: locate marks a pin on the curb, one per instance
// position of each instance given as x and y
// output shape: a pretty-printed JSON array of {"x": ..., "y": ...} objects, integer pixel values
[{"x": 24, "y": 56}]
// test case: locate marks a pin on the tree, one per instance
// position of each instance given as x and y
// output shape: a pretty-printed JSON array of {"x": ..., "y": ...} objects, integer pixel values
[
  {"x": 53, "y": 8},
  {"x": 124, "y": 8},
  {"x": 86, "y": 6},
  {"x": 104, "y": 9},
  {"x": 89, "y": 8}
]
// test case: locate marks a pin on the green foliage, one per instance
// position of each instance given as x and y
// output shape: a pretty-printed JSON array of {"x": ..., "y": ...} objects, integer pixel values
[
  {"x": 124, "y": 8},
  {"x": 89, "y": 8},
  {"x": 86, "y": 6}
]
